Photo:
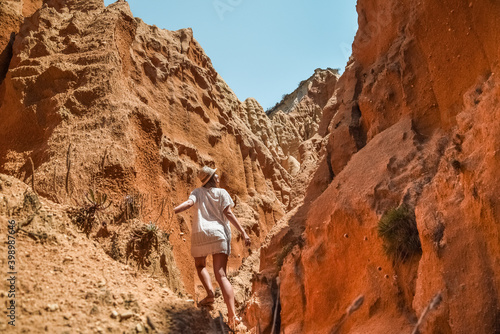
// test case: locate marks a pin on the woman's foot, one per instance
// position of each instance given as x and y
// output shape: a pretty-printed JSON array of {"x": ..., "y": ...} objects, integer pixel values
[
  {"x": 208, "y": 300},
  {"x": 233, "y": 322}
]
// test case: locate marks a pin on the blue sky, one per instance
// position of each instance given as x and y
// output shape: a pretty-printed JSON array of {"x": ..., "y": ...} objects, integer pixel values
[{"x": 262, "y": 49}]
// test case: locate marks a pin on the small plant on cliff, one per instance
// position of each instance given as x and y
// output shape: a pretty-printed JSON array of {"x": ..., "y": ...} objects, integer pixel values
[
  {"x": 132, "y": 205},
  {"x": 31, "y": 203},
  {"x": 141, "y": 243},
  {"x": 151, "y": 227},
  {"x": 87, "y": 216},
  {"x": 398, "y": 230},
  {"x": 115, "y": 248}
]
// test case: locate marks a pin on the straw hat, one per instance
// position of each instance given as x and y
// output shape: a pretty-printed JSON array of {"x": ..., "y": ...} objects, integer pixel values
[{"x": 205, "y": 174}]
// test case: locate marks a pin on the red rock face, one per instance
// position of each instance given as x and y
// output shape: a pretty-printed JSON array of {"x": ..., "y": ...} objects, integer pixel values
[
  {"x": 96, "y": 98},
  {"x": 11, "y": 17},
  {"x": 415, "y": 121}
]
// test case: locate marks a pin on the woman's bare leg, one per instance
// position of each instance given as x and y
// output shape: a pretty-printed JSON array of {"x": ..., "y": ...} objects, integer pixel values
[
  {"x": 220, "y": 263},
  {"x": 200, "y": 263}
]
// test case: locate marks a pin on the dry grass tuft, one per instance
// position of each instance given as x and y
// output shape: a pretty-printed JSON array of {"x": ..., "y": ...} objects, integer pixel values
[
  {"x": 87, "y": 216},
  {"x": 398, "y": 229}
]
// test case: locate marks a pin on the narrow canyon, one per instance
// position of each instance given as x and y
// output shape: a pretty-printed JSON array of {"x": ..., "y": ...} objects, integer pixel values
[{"x": 370, "y": 197}]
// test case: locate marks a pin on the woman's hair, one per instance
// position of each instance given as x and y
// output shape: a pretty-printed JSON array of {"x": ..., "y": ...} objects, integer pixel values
[{"x": 211, "y": 183}]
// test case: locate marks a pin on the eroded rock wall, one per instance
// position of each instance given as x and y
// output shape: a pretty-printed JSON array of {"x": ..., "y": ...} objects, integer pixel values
[
  {"x": 98, "y": 99},
  {"x": 12, "y": 13},
  {"x": 414, "y": 121},
  {"x": 296, "y": 118},
  {"x": 296, "y": 122}
]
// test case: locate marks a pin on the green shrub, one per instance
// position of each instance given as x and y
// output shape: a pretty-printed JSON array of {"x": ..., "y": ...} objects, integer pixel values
[{"x": 398, "y": 230}]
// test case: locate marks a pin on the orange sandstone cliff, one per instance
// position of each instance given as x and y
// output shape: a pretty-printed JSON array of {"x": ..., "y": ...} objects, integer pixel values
[
  {"x": 12, "y": 13},
  {"x": 91, "y": 97},
  {"x": 414, "y": 123}
]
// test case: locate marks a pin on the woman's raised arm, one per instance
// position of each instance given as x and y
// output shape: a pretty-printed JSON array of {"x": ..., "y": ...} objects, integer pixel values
[{"x": 184, "y": 206}]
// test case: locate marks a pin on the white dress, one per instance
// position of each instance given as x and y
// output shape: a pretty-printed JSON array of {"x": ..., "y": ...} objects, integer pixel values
[{"x": 210, "y": 232}]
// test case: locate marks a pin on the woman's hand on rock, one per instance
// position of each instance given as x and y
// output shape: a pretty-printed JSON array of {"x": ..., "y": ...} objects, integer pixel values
[{"x": 247, "y": 239}]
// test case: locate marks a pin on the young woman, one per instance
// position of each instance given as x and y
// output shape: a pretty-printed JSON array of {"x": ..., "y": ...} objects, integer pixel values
[{"x": 211, "y": 234}]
